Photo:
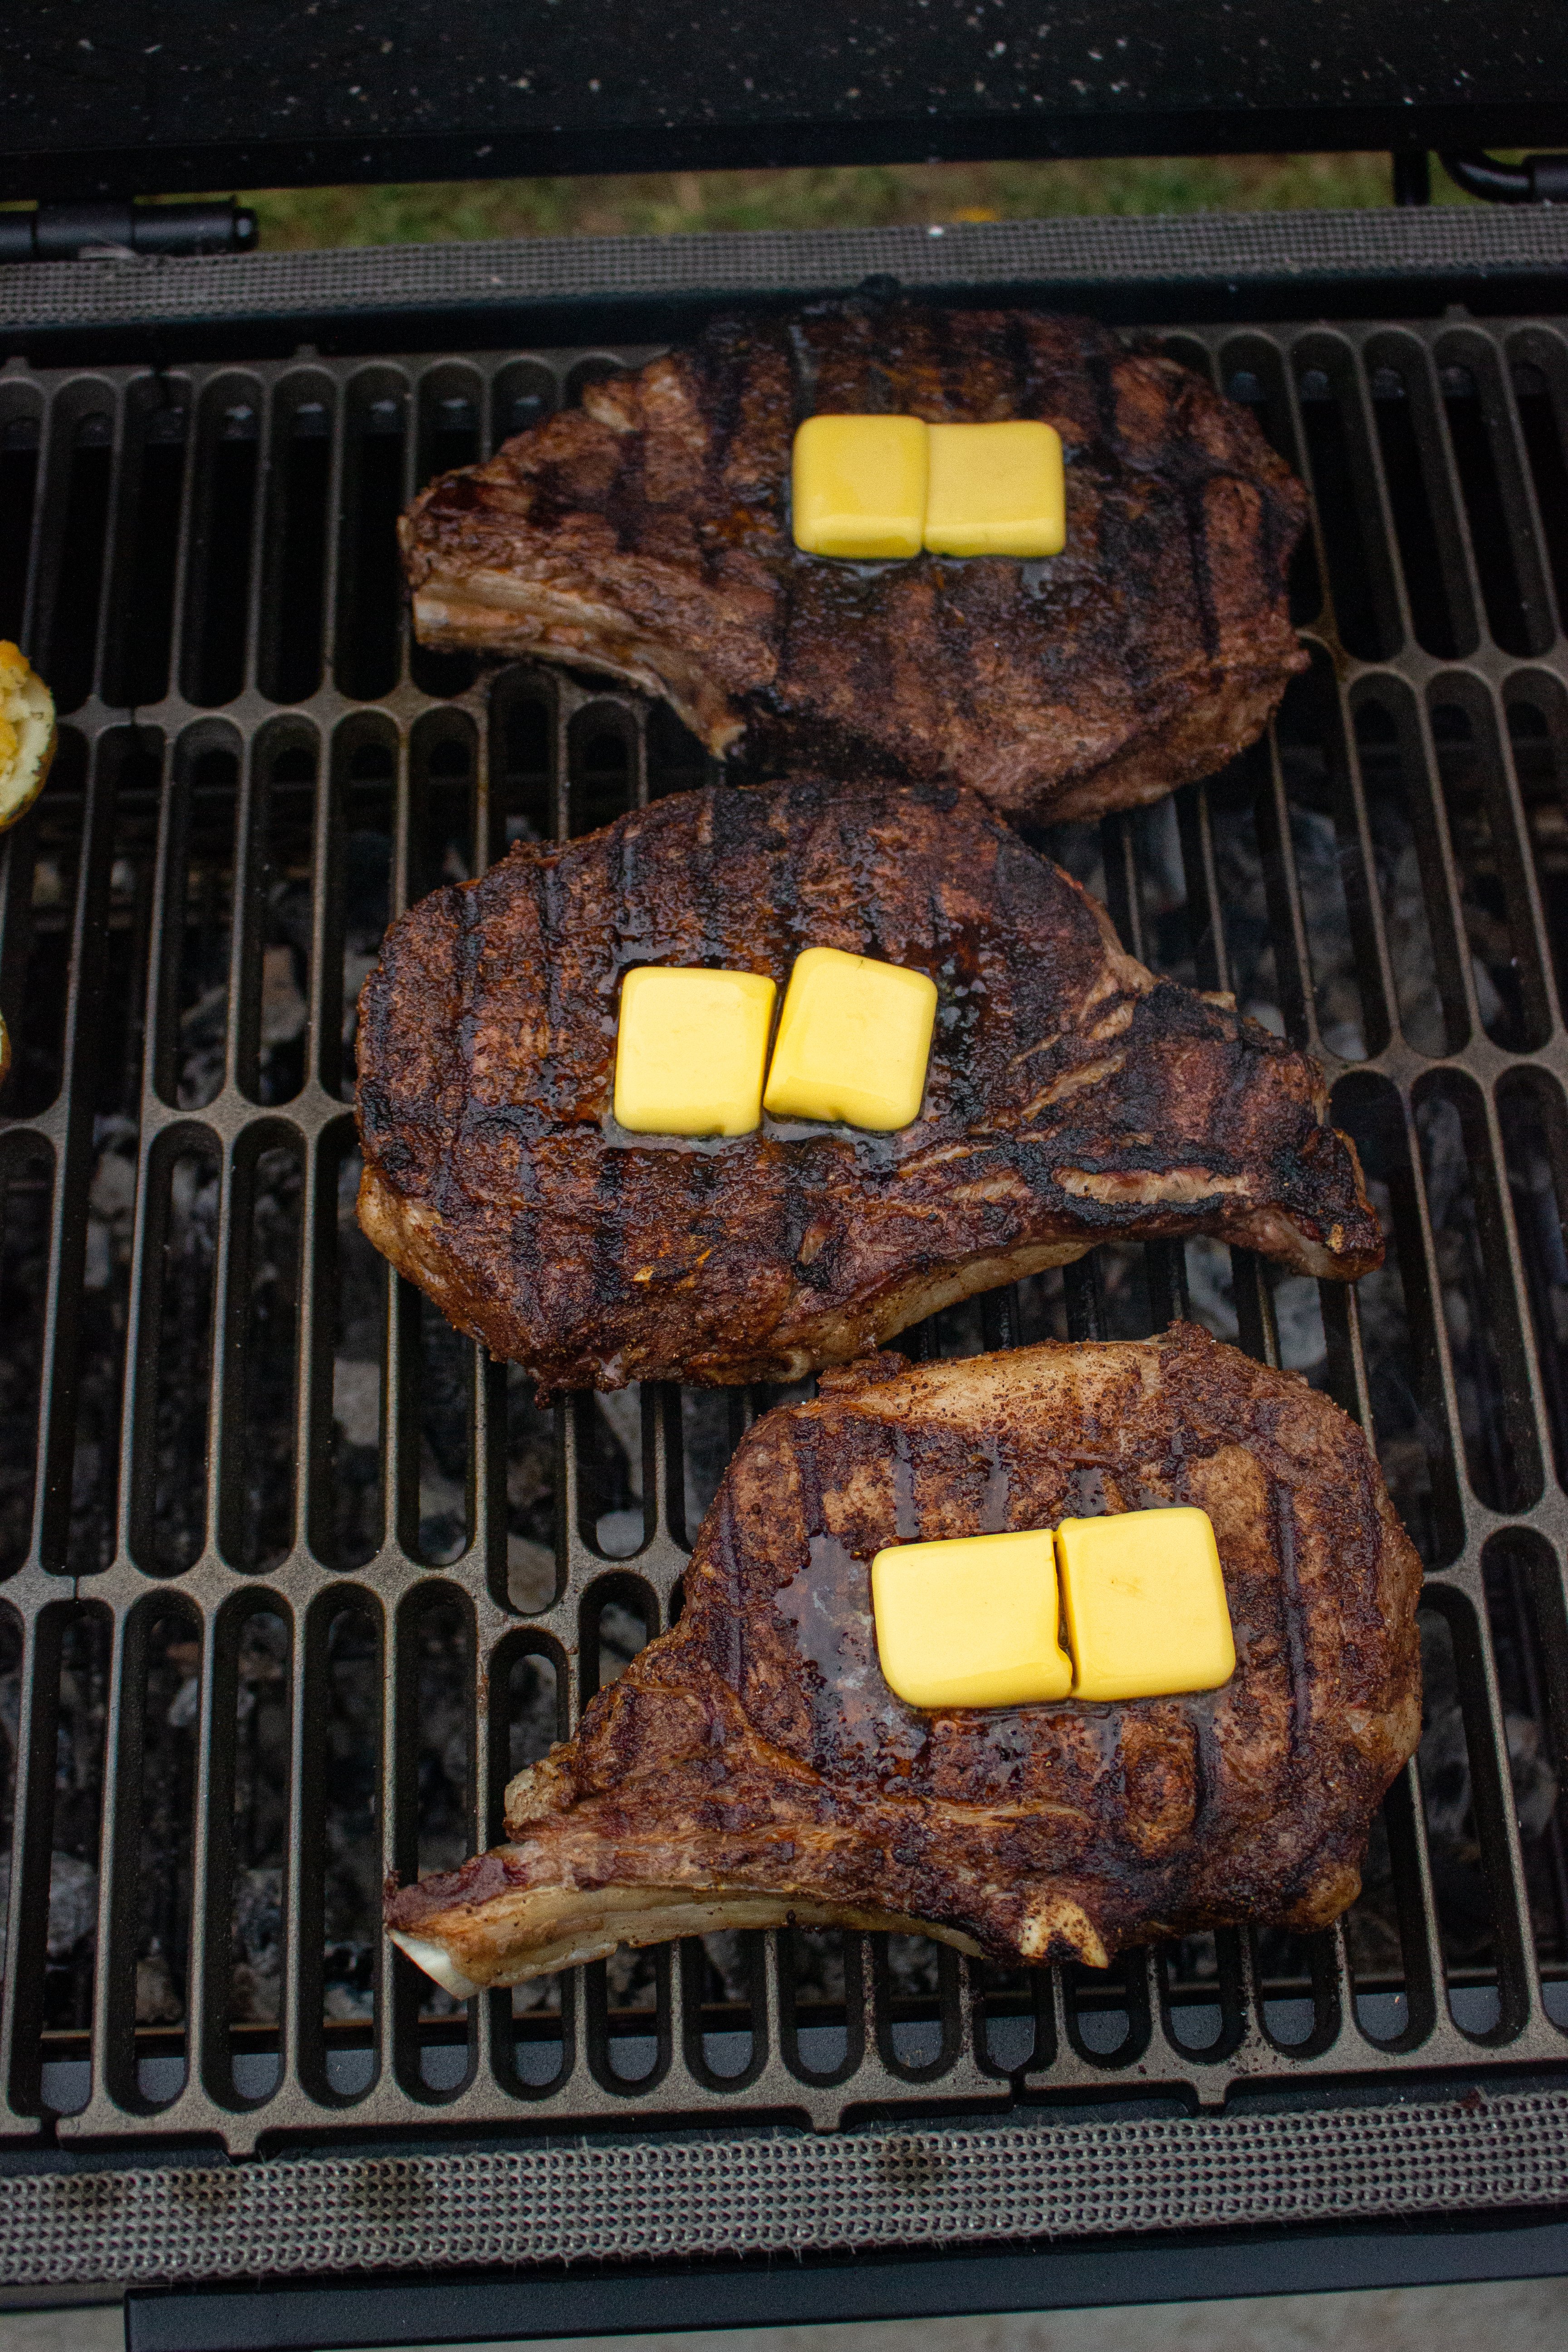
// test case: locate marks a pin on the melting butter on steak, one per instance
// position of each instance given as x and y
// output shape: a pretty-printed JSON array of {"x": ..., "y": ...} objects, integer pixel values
[
  {"x": 751, "y": 1767},
  {"x": 646, "y": 535},
  {"x": 1071, "y": 1097}
]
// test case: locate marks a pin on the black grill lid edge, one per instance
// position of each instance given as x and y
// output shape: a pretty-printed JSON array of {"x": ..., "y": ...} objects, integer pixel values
[{"x": 105, "y": 99}]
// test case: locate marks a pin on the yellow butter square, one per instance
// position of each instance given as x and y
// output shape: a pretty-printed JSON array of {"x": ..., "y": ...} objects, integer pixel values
[
  {"x": 690, "y": 1050},
  {"x": 1144, "y": 1599},
  {"x": 995, "y": 489},
  {"x": 858, "y": 486},
  {"x": 854, "y": 1041},
  {"x": 971, "y": 1623}
]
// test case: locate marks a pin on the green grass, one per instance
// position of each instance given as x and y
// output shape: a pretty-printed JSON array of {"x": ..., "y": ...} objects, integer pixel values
[{"x": 847, "y": 196}]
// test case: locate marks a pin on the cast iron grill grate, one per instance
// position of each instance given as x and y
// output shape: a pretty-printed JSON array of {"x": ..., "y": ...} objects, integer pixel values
[{"x": 293, "y": 1582}]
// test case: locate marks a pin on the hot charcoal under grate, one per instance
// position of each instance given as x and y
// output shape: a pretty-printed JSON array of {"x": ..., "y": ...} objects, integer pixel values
[{"x": 294, "y": 1583}]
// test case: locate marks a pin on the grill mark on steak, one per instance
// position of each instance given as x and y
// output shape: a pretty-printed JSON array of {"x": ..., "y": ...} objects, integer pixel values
[
  {"x": 1022, "y": 360},
  {"x": 1282, "y": 1531},
  {"x": 1203, "y": 588},
  {"x": 753, "y": 1757},
  {"x": 645, "y": 534},
  {"x": 495, "y": 1177}
]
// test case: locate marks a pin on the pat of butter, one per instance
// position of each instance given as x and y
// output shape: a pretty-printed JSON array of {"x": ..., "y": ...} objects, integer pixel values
[
  {"x": 690, "y": 1050},
  {"x": 1144, "y": 1600},
  {"x": 859, "y": 486},
  {"x": 971, "y": 1623},
  {"x": 995, "y": 489},
  {"x": 854, "y": 1041}
]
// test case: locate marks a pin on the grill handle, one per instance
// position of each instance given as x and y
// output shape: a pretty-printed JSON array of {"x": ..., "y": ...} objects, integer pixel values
[
  {"x": 1537, "y": 180},
  {"x": 108, "y": 231}
]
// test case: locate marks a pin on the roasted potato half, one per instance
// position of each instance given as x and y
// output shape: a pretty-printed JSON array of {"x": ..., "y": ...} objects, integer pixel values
[{"x": 27, "y": 733}]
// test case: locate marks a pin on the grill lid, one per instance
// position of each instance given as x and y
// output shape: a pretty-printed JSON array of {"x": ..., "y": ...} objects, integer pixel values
[{"x": 108, "y": 101}]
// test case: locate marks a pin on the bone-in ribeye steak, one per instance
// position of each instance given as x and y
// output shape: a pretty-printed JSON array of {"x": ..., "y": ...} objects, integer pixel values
[
  {"x": 646, "y": 534},
  {"x": 751, "y": 1766},
  {"x": 1071, "y": 1098}
]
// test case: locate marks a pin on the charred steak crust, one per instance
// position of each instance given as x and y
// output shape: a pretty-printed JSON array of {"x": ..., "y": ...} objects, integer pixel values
[
  {"x": 645, "y": 534},
  {"x": 755, "y": 1749},
  {"x": 1071, "y": 1097}
]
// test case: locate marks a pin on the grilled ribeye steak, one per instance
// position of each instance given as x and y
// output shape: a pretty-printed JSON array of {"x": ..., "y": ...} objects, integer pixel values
[
  {"x": 1071, "y": 1097},
  {"x": 646, "y": 534},
  {"x": 752, "y": 1765}
]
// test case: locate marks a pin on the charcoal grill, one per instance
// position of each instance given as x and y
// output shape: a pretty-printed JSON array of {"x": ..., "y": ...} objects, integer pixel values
[{"x": 293, "y": 1581}]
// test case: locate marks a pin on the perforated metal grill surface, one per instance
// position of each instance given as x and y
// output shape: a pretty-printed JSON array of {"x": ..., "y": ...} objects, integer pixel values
[
  {"x": 763, "y": 2195},
  {"x": 294, "y": 1582},
  {"x": 1428, "y": 246}
]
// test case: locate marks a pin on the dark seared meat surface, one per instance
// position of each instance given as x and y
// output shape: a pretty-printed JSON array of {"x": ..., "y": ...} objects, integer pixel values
[
  {"x": 1071, "y": 1097},
  {"x": 645, "y": 534},
  {"x": 752, "y": 1765}
]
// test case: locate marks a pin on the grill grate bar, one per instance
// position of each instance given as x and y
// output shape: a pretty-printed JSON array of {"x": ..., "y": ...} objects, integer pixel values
[
  {"x": 411, "y": 1481},
  {"x": 28, "y": 1878}
]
